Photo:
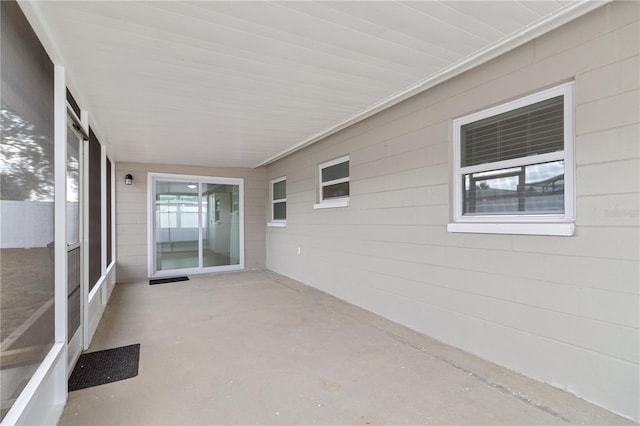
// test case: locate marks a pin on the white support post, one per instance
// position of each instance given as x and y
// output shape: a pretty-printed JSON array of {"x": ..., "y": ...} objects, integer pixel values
[
  {"x": 103, "y": 222},
  {"x": 60, "y": 198},
  {"x": 84, "y": 118}
]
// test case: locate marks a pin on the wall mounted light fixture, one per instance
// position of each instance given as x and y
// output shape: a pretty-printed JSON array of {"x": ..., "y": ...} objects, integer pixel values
[{"x": 128, "y": 179}]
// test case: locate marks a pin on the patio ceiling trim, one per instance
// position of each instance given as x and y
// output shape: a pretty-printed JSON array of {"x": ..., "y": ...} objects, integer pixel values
[{"x": 572, "y": 11}]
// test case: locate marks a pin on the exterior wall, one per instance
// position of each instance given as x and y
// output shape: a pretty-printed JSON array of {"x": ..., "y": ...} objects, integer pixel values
[
  {"x": 131, "y": 214},
  {"x": 563, "y": 310}
]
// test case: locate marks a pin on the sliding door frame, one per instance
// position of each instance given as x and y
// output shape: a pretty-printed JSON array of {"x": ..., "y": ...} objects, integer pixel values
[
  {"x": 152, "y": 179},
  {"x": 76, "y": 343}
]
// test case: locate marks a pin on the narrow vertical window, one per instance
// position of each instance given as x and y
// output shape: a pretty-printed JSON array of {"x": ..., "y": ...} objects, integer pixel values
[{"x": 279, "y": 201}]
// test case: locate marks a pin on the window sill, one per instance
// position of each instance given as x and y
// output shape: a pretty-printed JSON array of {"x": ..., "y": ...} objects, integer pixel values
[
  {"x": 561, "y": 229},
  {"x": 332, "y": 204},
  {"x": 277, "y": 224}
]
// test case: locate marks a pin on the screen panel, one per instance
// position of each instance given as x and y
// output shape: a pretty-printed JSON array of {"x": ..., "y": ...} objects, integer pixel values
[
  {"x": 95, "y": 210},
  {"x": 109, "y": 215},
  {"x": 27, "y": 255}
]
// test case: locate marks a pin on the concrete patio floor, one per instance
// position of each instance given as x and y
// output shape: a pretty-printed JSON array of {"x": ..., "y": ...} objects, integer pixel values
[{"x": 258, "y": 348}]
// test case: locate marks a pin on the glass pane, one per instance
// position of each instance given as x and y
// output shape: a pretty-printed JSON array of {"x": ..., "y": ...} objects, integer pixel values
[
  {"x": 73, "y": 187},
  {"x": 177, "y": 225},
  {"x": 280, "y": 211},
  {"x": 221, "y": 225},
  {"x": 26, "y": 204},
  {"x": 280, "y": 190},
  {"x": 334, "y": 172},
  {"x": 537, "y": 188},
  {"x": 73, "y": 233},
  {"x": 335, "y": 191},
  {"x": 530, "y": 130}
]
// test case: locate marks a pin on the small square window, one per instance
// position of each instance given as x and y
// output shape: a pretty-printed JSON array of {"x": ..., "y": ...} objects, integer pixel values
[
  {"x": 334, "y": 183},
  {"x": 279, "y": 200},
  {"x": 514, "y": 163}
]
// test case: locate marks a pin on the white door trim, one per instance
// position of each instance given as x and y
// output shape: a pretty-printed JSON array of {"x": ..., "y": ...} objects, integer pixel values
[{"x": 152, "y": 178}]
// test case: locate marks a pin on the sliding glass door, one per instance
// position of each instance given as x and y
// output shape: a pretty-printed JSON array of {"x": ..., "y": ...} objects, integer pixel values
[
  {"x": 196, "y": 224},
  {"x": 177, "y": 229},
  {"x": 221, "y": 224}
]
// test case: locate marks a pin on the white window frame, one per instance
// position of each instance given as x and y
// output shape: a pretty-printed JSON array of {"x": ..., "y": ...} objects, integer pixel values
[
  {"x": 278, "y": 223},
  {"x": 336, "y": 201},
  {"x": 533, "y": 224}
]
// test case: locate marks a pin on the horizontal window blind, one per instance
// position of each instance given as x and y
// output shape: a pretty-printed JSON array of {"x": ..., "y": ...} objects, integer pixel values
[{"x": 531, "y": 130}]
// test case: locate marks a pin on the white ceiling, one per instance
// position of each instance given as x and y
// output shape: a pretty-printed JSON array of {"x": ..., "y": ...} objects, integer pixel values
[{"x": 238, "y": 83}]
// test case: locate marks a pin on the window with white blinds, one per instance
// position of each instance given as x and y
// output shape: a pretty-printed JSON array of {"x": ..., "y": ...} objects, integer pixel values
[
  {"x": 530, "y": 130},
  {"x": 334, "y": 182},
  {"x": 514, "y": 162}
]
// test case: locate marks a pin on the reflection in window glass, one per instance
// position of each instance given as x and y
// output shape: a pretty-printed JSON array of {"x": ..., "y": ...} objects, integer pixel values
[
  {"x": 26, "y": 204},
  {"x": 280, "y": 211},
  {"x": 177, "y": 211},
  {"x": 538, "y": 188},
  {"x": 220, "y": 227},
  {"x": 280, "y": 190},
  {"x": 337, "y": 171},
  {"x": 335, "y": 191},
  {"x": 73, "y": 233},
  {"x": 177, "y": 233},
  {"x": 73, "y": 187},
  {"x": 168, "y": 216},
  {"x": 513, "y": 161}
]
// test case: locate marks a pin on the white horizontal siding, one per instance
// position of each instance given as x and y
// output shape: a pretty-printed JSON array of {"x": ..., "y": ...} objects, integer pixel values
[
  {"x": 131, "y": 214},
  {"x": 564, "y": 310}
]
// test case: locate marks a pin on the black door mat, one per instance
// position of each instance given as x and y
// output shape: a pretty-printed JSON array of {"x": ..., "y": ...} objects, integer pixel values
[
  {"x": 167, "y": 280},
  {"x": 99, "y": 368}
]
